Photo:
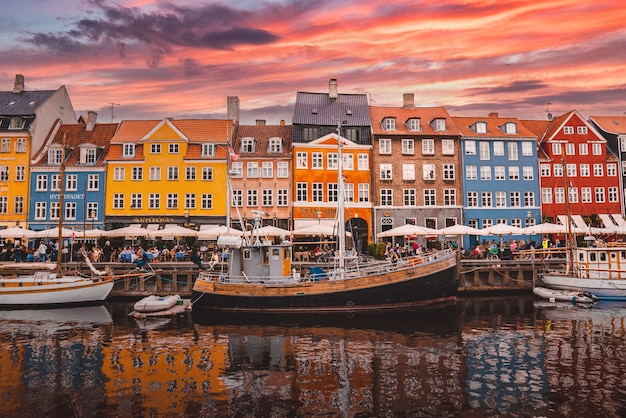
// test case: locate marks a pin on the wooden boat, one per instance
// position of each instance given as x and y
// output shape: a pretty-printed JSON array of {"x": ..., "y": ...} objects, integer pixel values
[
  {"x": 572, "y": 296},
  {"x": 154, "y": 303},
  {"x": 259, "y": 277}
]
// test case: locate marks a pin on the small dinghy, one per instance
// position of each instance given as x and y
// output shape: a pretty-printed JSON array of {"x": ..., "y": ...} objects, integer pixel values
[
  {"x": 155, "y": 303},
  {"x": 573, "y": 296}
]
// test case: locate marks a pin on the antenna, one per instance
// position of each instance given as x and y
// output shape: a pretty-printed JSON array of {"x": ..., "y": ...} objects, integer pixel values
[
  {"x": 112, "y": 105},
  {"x": 548, "y": 110}
]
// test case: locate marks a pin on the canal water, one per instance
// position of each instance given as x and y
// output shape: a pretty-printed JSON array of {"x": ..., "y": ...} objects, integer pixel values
[{"x": 498, "y": 356}]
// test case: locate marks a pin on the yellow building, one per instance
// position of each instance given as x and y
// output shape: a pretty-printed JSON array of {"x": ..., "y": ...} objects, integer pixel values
[{"x": 168, "y": 172}]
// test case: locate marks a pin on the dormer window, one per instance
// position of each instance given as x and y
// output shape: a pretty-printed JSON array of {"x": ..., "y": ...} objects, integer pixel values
[
  {"x": 439, "y": 125},
  {"x": 90, "y": 156},
  {"x": 414, "y": 125},
  {"x": 128, "y": 150},
  {"x": 16, "y": 123},
  {"x": 208, "y": 150},
  {"x": 509, "y": 128},
  {"x": 247, "y": 145},
  {"x": 275, "y": 145},
  {"x": 480, "y": 127},
  {"x": 55, "y": 156},
  {"x": 389, "y": 124}
]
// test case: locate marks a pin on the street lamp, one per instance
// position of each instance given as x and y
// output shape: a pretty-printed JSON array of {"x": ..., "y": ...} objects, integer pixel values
[{"x": 319, "y": 217}]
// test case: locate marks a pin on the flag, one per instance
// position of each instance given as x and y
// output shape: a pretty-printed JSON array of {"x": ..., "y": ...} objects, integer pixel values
[
  {"x": 233, "y": 156},
  {"x": 73, "y": 237}
]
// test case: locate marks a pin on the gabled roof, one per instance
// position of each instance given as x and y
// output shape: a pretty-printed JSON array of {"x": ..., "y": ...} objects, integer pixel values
[
  {"x": 402, "y": 115},
  {"x": 558, "y": 122},
  {"x": 195, "y": 130},
  {"x": 24, "y": 103},
  {"x": 494, "y": 122},
  {"x": 330, "y": 141},
  {"x": 262, "y": 135},
  {"x": 538, "y": 127},
  {"x": 610, "y": 124},
  {"x": 319, "y": 109}
]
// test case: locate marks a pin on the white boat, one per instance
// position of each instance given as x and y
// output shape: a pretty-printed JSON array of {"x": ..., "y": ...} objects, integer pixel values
[
  {"x": 154, "y": 303},
  {"x": 573, "y": 296}
]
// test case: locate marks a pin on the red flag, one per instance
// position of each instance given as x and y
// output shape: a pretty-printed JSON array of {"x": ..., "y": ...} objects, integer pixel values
[{"x": 233, "y": 156}]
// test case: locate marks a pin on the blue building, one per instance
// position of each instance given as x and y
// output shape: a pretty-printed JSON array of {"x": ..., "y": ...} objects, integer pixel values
[
  {"x": 85, "y": 149},
  {"x": 500, "y": 180}
]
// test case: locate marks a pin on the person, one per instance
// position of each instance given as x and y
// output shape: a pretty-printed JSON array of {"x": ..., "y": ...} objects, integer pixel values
[
  {"x": 142, "y": 258},
  {"x": 106, "y": 251},
  {"x": 215, "y": 258},
  {"x": 41, "y": 251},
  {"x": 197, "y": 258}
]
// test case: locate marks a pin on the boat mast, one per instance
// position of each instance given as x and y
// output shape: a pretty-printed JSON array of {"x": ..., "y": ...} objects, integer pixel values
[
  {"x": 568, "y": 209},
  {"x": 62, "y": 190},
  {"x": 341, "y": 205}
]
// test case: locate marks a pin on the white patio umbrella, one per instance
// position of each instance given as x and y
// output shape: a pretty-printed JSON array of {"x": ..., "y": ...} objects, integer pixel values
[
  {"x": 550, "y": 228},
  {"x": 617, "y": 230},
  {"x": 128, "y": 231},
  {"x": 407, "y": 230},
  {"x": 54, "y": 233},
  {"x": 91, "y": 233},
  {"x": 318, "y": 229},
  {"x": 16, "y": 232},
  {"x": 459, "y": 229},
  {"x": 174, "y": 231},
  {"x": 502, "y": 229},
  {"x": 272, "y": 231},
  {"x": 222, "y": 230}
]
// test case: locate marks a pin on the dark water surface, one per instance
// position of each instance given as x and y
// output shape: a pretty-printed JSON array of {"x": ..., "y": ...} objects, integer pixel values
[{"x": 497, "y": 356}]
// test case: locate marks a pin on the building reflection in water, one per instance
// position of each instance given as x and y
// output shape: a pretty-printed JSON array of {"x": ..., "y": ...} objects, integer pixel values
[{"x": 484, "y": 356}]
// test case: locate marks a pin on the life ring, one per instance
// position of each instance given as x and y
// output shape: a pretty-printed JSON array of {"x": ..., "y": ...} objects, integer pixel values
[{"x": 350, "y": 304}]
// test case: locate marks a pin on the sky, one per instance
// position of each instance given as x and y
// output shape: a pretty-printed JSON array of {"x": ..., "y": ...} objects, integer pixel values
[{"x": 142, "y": 59}]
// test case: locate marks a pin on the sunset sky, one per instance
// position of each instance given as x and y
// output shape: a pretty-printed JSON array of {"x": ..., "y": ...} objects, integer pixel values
[{"x": 182, "y": 58}]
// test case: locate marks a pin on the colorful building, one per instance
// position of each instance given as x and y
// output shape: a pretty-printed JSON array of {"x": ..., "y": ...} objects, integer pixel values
[
  {"x": 26, "y": 118},
  {"x": 416, "y": 163},
  {"x": 84, "y": 146},
  {"x": 170, "y": 171}
]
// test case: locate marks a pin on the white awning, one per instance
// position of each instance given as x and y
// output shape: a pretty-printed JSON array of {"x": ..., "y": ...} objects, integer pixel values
[
  {"x": 209, "y": 226},
  {"x": 304, "y": 223},
  {"x": 152, "y": 227},
  {"x": 619, "y": 219},
  {"x": 606, "y": 220},
  {"x": 579, "y": 222}
]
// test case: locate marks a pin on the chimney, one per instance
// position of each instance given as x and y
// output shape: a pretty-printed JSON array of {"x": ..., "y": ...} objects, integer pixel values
[
  {"x": 18, "y": 87},
  {"x": 232, "y": 108},
  {"x": 408, "y": 101},
  {"x": 260, "y": 122},
  {"x": 282, "y": 122},
  {"x": 92, "y": 117},
  {"x": 493, "y": 115},
  {"x": 332, "y": 88}
]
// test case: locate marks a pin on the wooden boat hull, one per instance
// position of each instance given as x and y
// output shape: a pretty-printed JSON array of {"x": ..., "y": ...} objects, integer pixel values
[
  {"x": 430, "y": 283},
  {"x": 603, "y": 288},
  {"x": 30, "y": 290}
]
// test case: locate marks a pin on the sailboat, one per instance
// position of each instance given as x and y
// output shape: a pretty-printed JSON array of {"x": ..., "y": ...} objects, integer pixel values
[
  {"x": 259, "y": 277},
  {"x": 47, "y": 287}
]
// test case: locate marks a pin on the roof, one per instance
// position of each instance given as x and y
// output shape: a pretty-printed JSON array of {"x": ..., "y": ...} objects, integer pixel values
[
  {"x": 610, "y": 124},
  {"x": 425, "y": 114},
  {"x": 557, "y": 124},
  {"x": 319, "y": 109},
  {"x": 493, "y": 123},
  {"x": 24, "y": 103},
  {"x": 262, "y": 134},
  {"x": 538, "y": 127},
  {"x": 195, "y": 130}
]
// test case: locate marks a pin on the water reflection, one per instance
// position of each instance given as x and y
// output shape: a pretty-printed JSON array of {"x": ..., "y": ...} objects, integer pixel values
[{"x": 483, "y": 356}]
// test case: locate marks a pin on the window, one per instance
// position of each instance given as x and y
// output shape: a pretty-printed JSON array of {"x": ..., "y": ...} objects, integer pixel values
[
  {"x": 16, "y": 123},
  {"x": 568, "y": 130},
  {"x": 237, "y": 198},
  {"x": 317, "y": 192},
  {"x": 119, "y": 173},
  {"x": 174, "y": 148},
  {"x": 546, "y": 195},
  {"x": 42, "y": 183},
  {"x": 498, "y": 148},
  {"x": 333, "y": 192},
  {"x": 55, "y": 182},
  {"x": 472, "y": 199},
  {"x": 364, "y": 192},
  {"x": 384, "y": 146},
  {"x": 500, "y": 199},
  {"x": 389, "y": 124},
  {"x": 20, "y": 145},
  {"x": 252, "y": 170},
  {"x": 581, "y": 130},
  {"x": 583, "y": 149},
  {"x": 172, "y": 200},
  {"x": 429, "y": 197},
  {"x": 598, "y": 170},
  {"x": 90, "y": 156},
  {"x": 190, "y": 200},
  {"x": 528, "y": 172},
  {"x": 513, "y": 151},
  {"x": 585, "y": 194},
  {"x": 408, "y": 146},
  {"x": 135, "y": 200},
  {"x": 596, "y": 149},
  {"x": 282, "y": 170},
  {"x": 172, "y": 173},
  {"x": 55, "y": 210},
  {"x": 529, "y": 199},
  {"x": 428, "y": 171},
  {"x": 54, "y": 156},
  {"x": 267, "y": 170},
  {"x": 556, "y": 148},
  {"x": 613, "y": 194},
  {"x": 283, "y": 197},
  {"x": 309, "y": 134},
  {"x": 348, "y": 161},
  {"x": 499, "y": 172},
  {"x": 439, "y": 125},
  {"x": 267, "y": 197},
  {"x": 128, "y": 150},
  {"x": 470, "y": 147},
  {"x": 599, "y": 191},
  {"x": 409, "y": 197},
  {"x": 207, "y": 150},
  {"x": 447, "y": 147},
  {"x": 486, "y": 199},
  {"x": 363, "y": 162},
  {"x": 190, "y": 173},
  {"x": 584, "y": 170},
  {"x": 559, "y": 195},
  {"x": 20, "y": 173},
  {"x": 118, "y": 201},
  {"x": 385, "y": 172},
  {"x": 515, "y": 199},
  {"x": 301, "y": 192},
  {"x": 247, "y": 145},
  {"x": 332, "y": 159},
  {"x": 154, "y": 201},
  {"x": 449, "y": 197},
  {"x": 569, "y": 149},
  {"x": 92, "y": 210},
  {"x": 573, "y": 194},
  {"x": 558, "y": 170},
  {"x": 137, "y": 173},
  {"x": 611, "y": 170},
  {"x": 275, "y": 145},
  {"x": 155, "y": 173},
  {"x": 571, "y": 170},
  {"x": 40, "y": 210},
  {"x": 4, "y": 205},
  {"x": 386, "y": 197},
  {"x": 155, "y": 148},
  {"x": 527, "y": 148},
  {"x": 513, "y": 173},
  {"x": 448, "y": 172},
  {"x": 236, "y": 170},
  {"x": 6, "y": 145},
  {"x": 483, "y": 146},
  {"x": 93, "y": 182},
  {"x": 545, "y": 170},
  {"x": 485, "y": 172},
  {"x": 408, "y": 172},
  {"x": 207, "y": 201},
  {"x": 471, "y": 172},
  {"x": 71, "y": 182},
  {"x": 70, "y": 210},
  {"x": 317, "y": 161},
  {"x": 480, "y": 127},
  {"x": 349, "y": 192},
  {"x": 428, "y": 147},
  {"x": 413, "y": 124},
  {"x": 516, "y": 222},
  {"x": 302, "y": 160},
  {"x": 510, "y": 128}
]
